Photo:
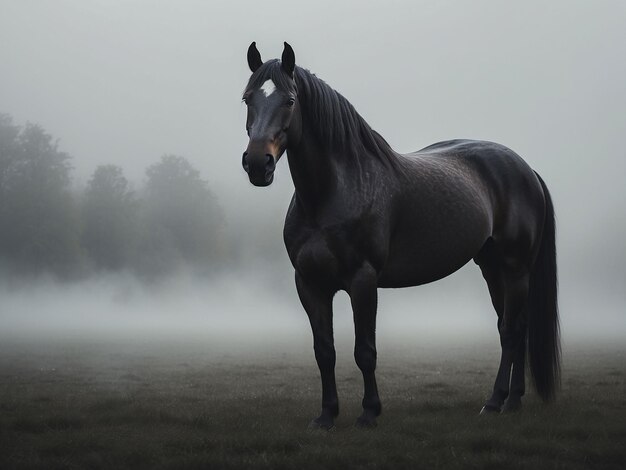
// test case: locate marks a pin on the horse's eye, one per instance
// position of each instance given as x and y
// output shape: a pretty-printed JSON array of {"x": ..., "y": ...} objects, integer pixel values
[{"x": 291, "y": 102}]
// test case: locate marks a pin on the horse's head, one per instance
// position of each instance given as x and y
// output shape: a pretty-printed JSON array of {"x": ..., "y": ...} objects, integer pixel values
[{"x": 273, "y": 121}]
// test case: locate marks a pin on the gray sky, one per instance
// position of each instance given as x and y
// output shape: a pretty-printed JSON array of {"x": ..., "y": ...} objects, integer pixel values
[{"x": 126, "y": 81}]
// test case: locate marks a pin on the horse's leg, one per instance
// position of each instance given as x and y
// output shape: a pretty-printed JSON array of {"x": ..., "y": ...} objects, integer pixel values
[
  {"x": 491, "y": 272},
  {"x": 515, "y": 281},
  {"x": 318, "y": 303},
  {"x": 364, "y": 298},
  {"x": 518, "y": 379}
]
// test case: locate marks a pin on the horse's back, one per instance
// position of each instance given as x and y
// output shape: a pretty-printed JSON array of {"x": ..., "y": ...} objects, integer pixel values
[
  {"x": 507, "y": 180},
  {"x": 485, "y": 157},
  {"x": 455, "y": 195},
  {"x": 514, "y": 191}
]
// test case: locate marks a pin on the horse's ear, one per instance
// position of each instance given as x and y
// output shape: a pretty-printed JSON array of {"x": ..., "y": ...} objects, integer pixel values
[
  {"x": 288, "y": 60},
  {"x": 254, "y": 57}
]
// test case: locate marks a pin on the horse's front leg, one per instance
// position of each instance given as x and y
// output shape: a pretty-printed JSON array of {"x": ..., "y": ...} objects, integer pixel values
[
  {"x": 364, "y": 298},
  {"x": 318, "y": 303}
]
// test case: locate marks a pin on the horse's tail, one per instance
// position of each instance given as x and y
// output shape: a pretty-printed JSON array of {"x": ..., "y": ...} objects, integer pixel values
[{"x": 544, "y": 349}]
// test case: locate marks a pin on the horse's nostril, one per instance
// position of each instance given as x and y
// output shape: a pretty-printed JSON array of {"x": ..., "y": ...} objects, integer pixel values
[
  {"x": 270, "y": 163},
  {"x": 244, "y": 162}
]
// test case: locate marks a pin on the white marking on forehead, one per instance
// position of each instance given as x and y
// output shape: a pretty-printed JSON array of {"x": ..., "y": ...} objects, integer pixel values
[{"x": 268, "y": 87}]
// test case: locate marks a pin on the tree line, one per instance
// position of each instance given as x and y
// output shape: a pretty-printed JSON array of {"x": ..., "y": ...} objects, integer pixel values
[{"x": 48, "y": 226}]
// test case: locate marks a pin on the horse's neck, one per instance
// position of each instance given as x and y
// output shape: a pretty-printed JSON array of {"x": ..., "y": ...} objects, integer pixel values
[
  {"x": 324, "y": 177},
  {"x": 312, "y": 174}
]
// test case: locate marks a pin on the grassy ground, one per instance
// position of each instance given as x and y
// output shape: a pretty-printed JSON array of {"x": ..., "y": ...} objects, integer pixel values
[{"x": 168, "y": 404}]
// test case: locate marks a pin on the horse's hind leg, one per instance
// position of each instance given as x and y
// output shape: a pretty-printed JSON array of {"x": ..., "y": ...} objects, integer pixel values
[
  {"x": 508, "y": 287},
  {"x": 518, "y": 380}
]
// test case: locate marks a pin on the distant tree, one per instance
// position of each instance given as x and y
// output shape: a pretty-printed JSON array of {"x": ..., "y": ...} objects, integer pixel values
[
  {"x": 109, "y": 216},
  {"x": 182, "y": 219},
  {"x": 9, "y": 146},
  {"x": 38, "y": 220}
]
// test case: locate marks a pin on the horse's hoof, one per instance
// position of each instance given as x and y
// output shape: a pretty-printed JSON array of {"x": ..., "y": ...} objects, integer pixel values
[
  {"x": 321, "y": 424},
  {"x": 366, "y": 422},
  {"x": 489, "y": 410},
  {"x": 511, "y": 406}
]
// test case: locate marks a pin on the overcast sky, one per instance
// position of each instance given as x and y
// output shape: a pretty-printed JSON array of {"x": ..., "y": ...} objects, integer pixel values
[{"x": 124, "y": 82}]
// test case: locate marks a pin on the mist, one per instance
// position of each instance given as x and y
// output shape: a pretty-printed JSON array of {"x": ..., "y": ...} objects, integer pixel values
[{"x": 125, "y": 83}]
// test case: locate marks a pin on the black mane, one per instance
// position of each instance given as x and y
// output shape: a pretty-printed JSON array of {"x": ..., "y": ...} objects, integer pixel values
[{"x": 338, "y": 125}]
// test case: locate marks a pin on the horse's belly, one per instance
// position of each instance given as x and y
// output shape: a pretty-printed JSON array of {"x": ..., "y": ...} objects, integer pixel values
[
  {"x": 405, "y": 271},
  {"x": 418, "y": 257}
]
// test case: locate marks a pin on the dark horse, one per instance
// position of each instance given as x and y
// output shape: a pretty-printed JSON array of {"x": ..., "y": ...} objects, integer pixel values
[{"x": 363, "y": 216}]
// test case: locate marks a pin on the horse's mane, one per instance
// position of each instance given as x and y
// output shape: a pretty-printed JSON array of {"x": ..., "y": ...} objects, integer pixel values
[{"x": 337, "y": 124}]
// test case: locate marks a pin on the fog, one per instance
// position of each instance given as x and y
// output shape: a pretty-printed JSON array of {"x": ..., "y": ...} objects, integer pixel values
[
  {"x": 124, "y": 83},
  {"x": 235, "y": 310}
]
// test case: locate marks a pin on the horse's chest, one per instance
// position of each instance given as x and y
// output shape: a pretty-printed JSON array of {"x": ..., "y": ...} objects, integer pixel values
[{"x": 326, "y": 257}]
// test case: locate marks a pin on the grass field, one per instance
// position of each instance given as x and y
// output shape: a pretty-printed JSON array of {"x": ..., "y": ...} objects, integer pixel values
[{"x": 187, "y": 403}]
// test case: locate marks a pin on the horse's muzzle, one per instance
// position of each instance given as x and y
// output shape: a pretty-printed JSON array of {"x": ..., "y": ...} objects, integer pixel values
[{"x": 260, "y": 168}]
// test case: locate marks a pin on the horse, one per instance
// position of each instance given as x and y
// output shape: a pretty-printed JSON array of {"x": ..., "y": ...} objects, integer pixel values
[{"x": 364, "y": 217}]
